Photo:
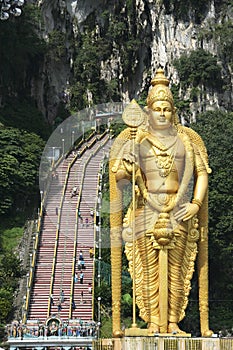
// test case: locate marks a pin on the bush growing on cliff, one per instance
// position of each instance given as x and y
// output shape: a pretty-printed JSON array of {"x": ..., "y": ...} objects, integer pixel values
[{"x": 199, "y": 68}]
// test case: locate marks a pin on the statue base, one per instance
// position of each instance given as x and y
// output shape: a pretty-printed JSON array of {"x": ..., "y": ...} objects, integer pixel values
[
  {"x": 135, "y": 332},
  {"x": 164, "y": 342},
  {"x": 138, "y": 332}
]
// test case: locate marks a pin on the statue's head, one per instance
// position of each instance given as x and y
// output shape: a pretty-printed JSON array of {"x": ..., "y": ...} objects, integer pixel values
[{"x": 160, "y": 92}]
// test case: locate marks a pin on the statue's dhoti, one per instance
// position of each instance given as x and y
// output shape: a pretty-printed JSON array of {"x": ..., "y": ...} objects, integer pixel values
[{"x": 181, "y": 256}]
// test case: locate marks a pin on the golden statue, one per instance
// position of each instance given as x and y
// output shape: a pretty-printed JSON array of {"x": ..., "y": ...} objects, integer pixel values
[{"x": 167, "y": 221}]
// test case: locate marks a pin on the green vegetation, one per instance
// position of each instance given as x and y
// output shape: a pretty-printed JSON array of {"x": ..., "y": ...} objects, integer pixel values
[
  {"x": 20, "y": 154},
  {"x": 118, "y": 34},
  {"x": 21, "y": 54},
  {"x": 25, "y": 116},
  {"x": 56, "y": 45},
  {"x": 199, "y": 68},
  {"x": 221, "y": 34},
  {"x": 182, "y": 105},
  {"x": 10, "y": 238},
  {"x": 11, "y": 231},
  {"x": 87, "y": 70},
  {"x": 198, "y": 71},
  {"x": 184, "y": 9},
  {"x": 216, "y": 128},
  {"x": 10, "y": 272}
]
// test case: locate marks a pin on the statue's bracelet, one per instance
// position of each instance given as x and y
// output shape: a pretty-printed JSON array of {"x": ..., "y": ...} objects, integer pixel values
[{"x": 197, "y": 201}]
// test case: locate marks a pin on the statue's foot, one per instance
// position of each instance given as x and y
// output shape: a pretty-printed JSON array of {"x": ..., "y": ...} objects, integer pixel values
[
  {"x": 173, "y": 328},
  {"x": 207, "y": 333},
  {"x": 118, "y": 334},
  {"x": 153, "y": 328}
]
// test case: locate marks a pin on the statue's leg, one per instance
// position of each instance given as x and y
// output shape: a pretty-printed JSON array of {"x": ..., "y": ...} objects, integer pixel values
[
  {"x": 149, "y": 285},
  {"x": 180, "y": 271}
]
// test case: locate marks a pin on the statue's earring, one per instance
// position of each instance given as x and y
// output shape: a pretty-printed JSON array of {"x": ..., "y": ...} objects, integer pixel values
[
  {"x": 146, "y": 118},
  {"x": 175, "y": 120}
]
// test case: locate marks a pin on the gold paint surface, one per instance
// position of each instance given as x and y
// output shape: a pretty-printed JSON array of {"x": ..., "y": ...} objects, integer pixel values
[{"x": 166, "y": 224}]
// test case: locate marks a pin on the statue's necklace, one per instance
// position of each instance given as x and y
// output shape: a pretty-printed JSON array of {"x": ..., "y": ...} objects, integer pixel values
[{"x": 164, "y": 160}]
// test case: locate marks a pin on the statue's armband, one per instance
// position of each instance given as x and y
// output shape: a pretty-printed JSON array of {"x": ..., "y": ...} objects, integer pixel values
[{"x": 200, "y": 166}]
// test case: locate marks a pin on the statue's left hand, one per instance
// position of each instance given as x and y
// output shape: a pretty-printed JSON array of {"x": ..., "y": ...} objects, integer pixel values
[{"x": 187, "y": 211}]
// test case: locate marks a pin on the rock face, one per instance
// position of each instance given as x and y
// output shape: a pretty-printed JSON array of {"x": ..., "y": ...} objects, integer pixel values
[{"x": 156, "y": 33}]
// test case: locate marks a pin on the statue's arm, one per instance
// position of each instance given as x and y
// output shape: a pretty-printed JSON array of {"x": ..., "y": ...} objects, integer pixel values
[
  {"x": 188, "y": 210},
  {"x": 200, "y": 188},
  {"x": 125, "y": 165},
  {"x": 124, "y": 171},
  {"x": 201, "y": 178}
]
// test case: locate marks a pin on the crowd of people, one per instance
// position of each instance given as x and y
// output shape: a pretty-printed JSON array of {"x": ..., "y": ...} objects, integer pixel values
[
  {"x": 88, "y": 220},
  {"x": 78, "y": 278}
]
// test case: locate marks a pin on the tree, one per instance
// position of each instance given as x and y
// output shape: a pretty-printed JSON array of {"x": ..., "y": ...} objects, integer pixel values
[
  {"x": 10, "y": 272},
  {"x": 24, "y": 115},
  {"x": 21, "y": 54},
  {"x": 197, "y": 68},
  {"x": 20, "y": 154},
  {"x": 216, "y": 128}
]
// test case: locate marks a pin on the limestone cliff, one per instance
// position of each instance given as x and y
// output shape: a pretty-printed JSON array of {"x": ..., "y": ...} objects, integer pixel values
[{"x": 134, "y": 37}]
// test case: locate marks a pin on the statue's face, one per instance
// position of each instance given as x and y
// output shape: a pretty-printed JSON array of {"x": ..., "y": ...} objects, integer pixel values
[{"x": 160, "y": 115}]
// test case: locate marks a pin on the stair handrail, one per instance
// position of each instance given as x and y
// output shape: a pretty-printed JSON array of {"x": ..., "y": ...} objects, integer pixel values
[
  {"x": 94, "y": 253},
  {"x": 33, "y": 262}
]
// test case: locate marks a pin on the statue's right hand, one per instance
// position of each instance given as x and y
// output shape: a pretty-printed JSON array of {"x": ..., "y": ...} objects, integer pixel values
[
  {"x": 128, "y": 162},
  {"x": 130, "y": 157}
]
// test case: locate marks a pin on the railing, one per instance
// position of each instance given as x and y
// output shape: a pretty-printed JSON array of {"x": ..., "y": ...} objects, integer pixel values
[
  {"x": 33, "y": 262},
  {"x": 95, "y": 238}
]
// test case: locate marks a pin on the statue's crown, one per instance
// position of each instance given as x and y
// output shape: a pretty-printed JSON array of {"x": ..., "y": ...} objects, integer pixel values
[{"x": 160, "y": 90}]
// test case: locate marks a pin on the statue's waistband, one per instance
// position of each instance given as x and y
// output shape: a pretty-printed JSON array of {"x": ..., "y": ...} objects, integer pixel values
[
  {"x": 160, "y": 201},
  {"x": 162, "y": 198}
]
